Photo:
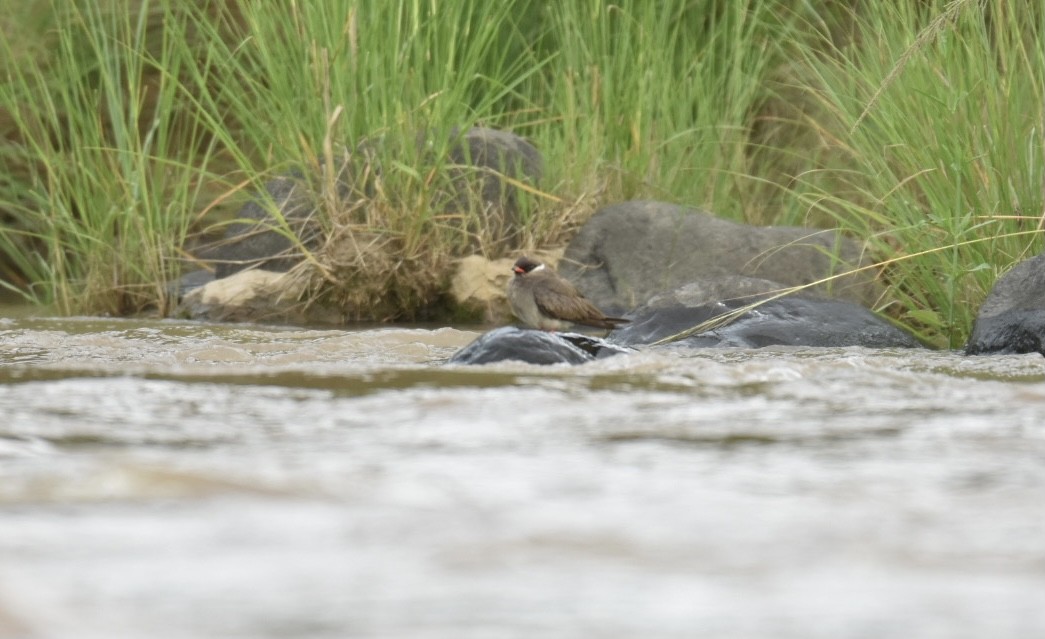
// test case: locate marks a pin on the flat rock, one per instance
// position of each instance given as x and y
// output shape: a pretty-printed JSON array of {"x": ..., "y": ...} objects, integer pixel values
[{"x": 796, "y": 320}]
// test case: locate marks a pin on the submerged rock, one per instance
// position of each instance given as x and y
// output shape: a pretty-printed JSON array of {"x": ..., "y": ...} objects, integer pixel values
[
  {"x": 1012, "y": 318},
  {"x": 629, "y": 252},
  {"x": 534, "y": 347},
  {"x": 796, "y": 320}
]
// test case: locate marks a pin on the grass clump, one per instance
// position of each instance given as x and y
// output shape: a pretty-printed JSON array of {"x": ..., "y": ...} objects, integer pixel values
[{"x": 381, "y": 95}]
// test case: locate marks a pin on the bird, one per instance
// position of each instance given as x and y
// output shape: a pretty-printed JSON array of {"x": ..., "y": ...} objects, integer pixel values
[{"x": 542, "y": 298}]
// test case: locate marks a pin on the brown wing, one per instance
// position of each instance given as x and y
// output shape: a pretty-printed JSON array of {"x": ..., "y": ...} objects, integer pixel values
[{"x": 558, "y": 298}]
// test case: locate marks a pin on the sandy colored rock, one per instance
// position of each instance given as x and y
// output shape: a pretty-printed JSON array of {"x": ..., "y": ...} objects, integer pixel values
[
  {"x": 479, "y": 284},
  {"x": 255, "y": 295}
]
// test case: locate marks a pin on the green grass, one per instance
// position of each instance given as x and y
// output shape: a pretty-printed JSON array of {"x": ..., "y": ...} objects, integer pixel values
[
  {"x": 130, "y": 126},
  {"x": 929, "y": 143},
  {"x": 655, "y": 99},
  {"x": 106, "y": 161}
]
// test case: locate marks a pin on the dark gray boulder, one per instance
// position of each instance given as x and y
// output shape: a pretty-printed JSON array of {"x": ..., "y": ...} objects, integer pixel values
[
  {"x": 478, "y": 163},
  {"x": 267, "y": 237},
  {"x": 534, "y": 347},
  {"x": 795, "y": 319},
  {"x": 1012, "y": 318},
  {"x": 629, "y": 252},
  {"x": 271, "y": 235}
]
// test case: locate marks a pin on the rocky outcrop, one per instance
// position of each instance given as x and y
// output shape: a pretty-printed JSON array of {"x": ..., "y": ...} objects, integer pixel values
[
  {"x": 629, "y": 252},
  {"x": 273, "y": 236},
  {"x": 510, "y": 343},
  {"x": 669, "y": 269},
  {"x": 1012, "y": 318},
  {"x": 795, "y": 320},
  {"x": 624, "y": 257}
]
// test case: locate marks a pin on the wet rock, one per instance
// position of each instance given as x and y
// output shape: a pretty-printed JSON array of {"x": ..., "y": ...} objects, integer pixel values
[
  {"x": 629, "y": 252},
  {"x": 475, "y": 168},
  {"x": 1012, "y": 318},
  {"x": 796, "y": 320},
  {"x": 534, "y": 347}
]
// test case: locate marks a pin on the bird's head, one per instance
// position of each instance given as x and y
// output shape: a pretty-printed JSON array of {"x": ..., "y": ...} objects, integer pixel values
[{"x": 525, "y": 265}]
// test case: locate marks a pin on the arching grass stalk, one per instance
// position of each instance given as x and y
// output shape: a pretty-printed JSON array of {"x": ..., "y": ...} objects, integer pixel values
[{"x": 727, "y": 318}]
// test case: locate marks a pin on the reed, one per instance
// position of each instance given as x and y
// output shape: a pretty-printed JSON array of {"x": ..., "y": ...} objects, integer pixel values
[
  {"x": 928, "y": 129},
  {"x": 656, "y": 99},
  {"x": 105, "y": 158}
]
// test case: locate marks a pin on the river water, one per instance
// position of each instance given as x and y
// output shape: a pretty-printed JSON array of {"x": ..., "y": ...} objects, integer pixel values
[{"x": 182, "y": 480}]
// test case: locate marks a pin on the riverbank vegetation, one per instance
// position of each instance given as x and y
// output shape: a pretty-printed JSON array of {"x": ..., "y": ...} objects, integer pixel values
[{"x": 132, "y": 128}]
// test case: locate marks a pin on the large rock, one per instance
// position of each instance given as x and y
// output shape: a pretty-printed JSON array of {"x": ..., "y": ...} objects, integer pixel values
[
  {"x": 629, "y": 252},
  {"x": 474, "y": 194},
  {"x": 1012, "y": 318},
  {"x": 510, "y": 343},
  {"x": 796, "y": 320}
]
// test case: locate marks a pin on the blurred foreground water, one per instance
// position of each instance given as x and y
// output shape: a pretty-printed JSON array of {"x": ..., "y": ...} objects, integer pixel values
[{"x": 184, "y": 480}]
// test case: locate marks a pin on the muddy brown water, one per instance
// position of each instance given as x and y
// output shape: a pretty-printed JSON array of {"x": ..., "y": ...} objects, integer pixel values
[{"x": 183, "y": 480}]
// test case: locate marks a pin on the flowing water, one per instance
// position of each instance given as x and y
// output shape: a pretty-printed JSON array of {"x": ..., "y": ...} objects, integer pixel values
[{"x": 184, "y": 480}]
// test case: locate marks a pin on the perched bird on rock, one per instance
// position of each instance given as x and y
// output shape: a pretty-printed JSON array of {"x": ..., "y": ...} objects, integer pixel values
[{"x": 543, "y": 299}]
